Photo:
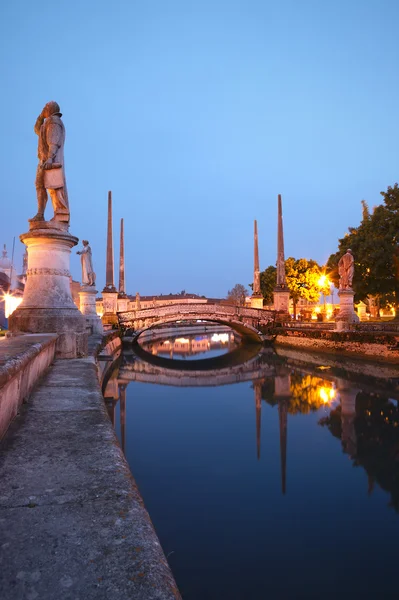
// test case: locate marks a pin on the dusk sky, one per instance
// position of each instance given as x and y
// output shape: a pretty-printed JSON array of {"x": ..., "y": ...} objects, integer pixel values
[{"x": 196, "y": 114}]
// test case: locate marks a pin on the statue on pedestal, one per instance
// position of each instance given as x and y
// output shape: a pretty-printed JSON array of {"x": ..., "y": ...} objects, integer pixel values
[
  {"x": 88, "y": 275},
  {"x": 346, "y": 268},
  {"x": 50, "y": 174}
]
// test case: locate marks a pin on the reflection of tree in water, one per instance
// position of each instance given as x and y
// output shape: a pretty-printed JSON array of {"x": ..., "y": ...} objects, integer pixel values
[
  {"x": 308, "y": 393},
  {"x": 376, "y": 425}
]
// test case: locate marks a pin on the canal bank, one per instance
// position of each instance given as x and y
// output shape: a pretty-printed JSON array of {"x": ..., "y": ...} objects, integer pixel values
[
  {"x": 366, "y": 341},
  {"x": 73, "y": 524}
]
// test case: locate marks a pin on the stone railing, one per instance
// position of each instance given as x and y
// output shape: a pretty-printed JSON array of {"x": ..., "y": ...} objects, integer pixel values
[
  {"x": 315, "y": 326},
  {"x": 23, "y": 360}
]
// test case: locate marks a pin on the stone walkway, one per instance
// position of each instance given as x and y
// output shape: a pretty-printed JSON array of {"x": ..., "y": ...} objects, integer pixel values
[{"x": 72, "y": 523}]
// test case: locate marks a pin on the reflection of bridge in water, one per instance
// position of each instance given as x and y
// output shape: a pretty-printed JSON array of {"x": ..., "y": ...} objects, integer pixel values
[{"x": 275, "y": 381}]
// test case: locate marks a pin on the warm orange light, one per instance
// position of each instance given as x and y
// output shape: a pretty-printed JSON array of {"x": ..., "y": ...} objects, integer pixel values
[
  {"x": 11, "y": 303},
  {"x": 326, "y": 394},
  {"x": 324, "y": 281}
]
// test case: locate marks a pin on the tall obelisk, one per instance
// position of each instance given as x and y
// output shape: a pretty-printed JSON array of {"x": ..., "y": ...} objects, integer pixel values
[
  {"x": 122, "y": 289},
  {"x": 122, "y": 297},
  {"x": 110, "y": 295},
  {"x": 109, "y": 269},
  {"x": 256, "y": 298},
  {"x": 281, "y": 294}
]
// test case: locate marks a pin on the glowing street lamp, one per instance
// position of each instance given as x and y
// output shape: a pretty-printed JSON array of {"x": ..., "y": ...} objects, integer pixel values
[
  {"x": 323, "y": 282},
  {"x": 10, "y": 303}
]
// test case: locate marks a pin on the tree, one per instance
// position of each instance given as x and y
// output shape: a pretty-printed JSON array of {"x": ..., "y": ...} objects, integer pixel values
[
  {"x": 237, "y": 295},
  {"x": 374, "y": 244},
  {"x": 268, "y": 280},
  {"x": 304, "y": 280}
]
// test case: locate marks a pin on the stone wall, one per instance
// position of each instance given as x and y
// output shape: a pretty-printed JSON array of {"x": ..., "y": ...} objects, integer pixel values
[
  {"x": 23, "y": 360},
  {"x": 378, "y": 346}
]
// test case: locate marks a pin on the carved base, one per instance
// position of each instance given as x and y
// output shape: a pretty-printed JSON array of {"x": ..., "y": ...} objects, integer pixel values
[
  {"x": 87, "y": 296},
  {"x": 347, "y": 314},
  {"x": 47, "y": 305},
  {"x": 110, "y": 307},
  {"x": 257, "y": 301},
  {"x": 281, "y": 299}
]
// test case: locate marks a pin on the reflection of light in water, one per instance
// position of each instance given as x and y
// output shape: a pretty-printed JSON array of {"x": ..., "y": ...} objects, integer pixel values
[
  {"x": 220, "y": 337},
  {"x": 326, "y": 394},
  {"x": 182, "y": 340}
]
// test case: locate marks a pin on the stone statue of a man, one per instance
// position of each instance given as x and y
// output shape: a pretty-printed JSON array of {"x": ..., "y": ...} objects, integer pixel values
[
  {"x": 88, "y": 275},
  {"x": 346, "y": 268},
  {"x": 50, "y": 174}
]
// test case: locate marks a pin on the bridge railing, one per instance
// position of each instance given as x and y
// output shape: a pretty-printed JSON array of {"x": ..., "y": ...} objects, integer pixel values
[{"x": 184, "y": 310}]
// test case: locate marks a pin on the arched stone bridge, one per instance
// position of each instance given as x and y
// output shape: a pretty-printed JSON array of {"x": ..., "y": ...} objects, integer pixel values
[{"x": 248, "y": 322}]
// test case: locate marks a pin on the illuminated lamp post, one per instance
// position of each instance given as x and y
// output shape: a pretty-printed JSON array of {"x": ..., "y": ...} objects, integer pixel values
[{"x": 323, "y": 283}]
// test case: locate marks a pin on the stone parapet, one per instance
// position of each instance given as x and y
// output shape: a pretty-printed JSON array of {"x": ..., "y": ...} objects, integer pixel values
[{"x": 23, "y": 359}]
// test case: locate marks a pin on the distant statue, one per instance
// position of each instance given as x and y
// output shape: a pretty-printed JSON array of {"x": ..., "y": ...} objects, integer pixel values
[
  {"x": 50, "y": 174},
  {"x": 138, "y": 303},
  {"x": 346, "y": 268},
  {"x": 88, "y": 275}
]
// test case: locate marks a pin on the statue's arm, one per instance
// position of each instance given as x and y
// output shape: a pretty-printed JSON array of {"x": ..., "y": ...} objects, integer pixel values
[
  {"x": 39, "y": 123},
  {"x": 54, "y": 141}
]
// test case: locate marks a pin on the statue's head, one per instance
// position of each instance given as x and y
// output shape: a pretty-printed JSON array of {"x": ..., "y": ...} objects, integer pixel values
[
  {"x": 85, "y": 242},
  {"x": 349, "y": 250},
  {"x": 51, "y": 108}
]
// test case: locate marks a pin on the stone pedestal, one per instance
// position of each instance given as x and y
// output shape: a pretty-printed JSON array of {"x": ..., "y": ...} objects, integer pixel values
[
  {"x": 257, "y": 301},
  {"x": 122, "y": 303},
  {"x": 346, "y": 315},
  {"x": 87, "y": 296},
  {"x": 281, "y": 299},
  {"x": 47, "y": 305},
  {"x": 110, "y": 307},
  {"x": 362, "y": 311}
]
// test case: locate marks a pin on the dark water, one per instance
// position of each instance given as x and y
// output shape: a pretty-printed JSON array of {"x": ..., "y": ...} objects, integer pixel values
[{"x": 282, "y": 485}]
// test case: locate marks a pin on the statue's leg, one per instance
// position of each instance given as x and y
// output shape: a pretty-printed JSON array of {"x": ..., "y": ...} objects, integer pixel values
[
  {"x": 41, "y": 193},
  {"x": 61, "y": 210}
]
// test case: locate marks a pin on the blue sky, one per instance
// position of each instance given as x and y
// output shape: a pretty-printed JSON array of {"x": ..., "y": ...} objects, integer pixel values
[{"x": 196, "y": 114}]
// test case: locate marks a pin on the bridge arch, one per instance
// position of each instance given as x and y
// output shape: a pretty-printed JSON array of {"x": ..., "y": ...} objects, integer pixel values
[
  {"x": 247, "y": 332},
  {"x": 248, "y": 322}
]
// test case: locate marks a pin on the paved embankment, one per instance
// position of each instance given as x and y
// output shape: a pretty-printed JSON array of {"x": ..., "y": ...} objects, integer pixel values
[{"x": 72, "y": 522}]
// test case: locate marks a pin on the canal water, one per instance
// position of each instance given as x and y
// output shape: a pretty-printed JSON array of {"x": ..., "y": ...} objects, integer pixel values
[{"x": 266, "y": 477}]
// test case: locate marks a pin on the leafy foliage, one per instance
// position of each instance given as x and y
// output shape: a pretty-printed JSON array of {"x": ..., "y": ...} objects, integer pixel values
[
  {"x": 374, "y": 244},
  {"x": 303, "y": 280}
]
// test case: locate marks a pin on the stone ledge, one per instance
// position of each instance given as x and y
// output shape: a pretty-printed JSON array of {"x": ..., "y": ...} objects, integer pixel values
[
  {"x": 23, "y": 360},
  {"x": 16, "y": 352}
]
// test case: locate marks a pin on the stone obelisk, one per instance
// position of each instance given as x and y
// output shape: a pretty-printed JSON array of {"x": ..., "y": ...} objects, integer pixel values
[
  {"x": 122, "y": 297},
  {"x": 256, "y": 298},
  {"x": 47, "y": 305},
  {"x": 110, "y": 294},
  {"x": 281, "y": 294}
]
